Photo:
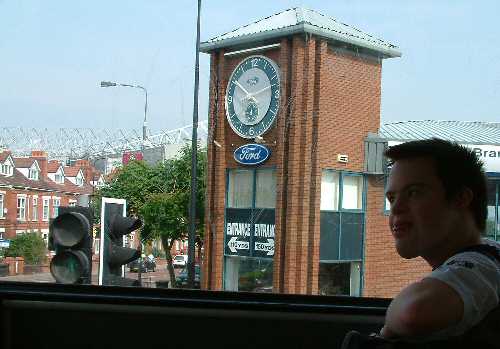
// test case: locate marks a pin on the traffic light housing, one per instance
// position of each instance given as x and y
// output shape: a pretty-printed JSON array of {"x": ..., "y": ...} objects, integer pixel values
[
  {"x": 70, "y": 236},
  {"x": 114, "y": 256}
]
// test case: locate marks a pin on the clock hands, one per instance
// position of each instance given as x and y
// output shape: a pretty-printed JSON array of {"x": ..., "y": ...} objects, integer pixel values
[
  {"x": 242, "y": 88},
  {"x": 261, "y": 90},
  {"x": 253, "y": 94}
]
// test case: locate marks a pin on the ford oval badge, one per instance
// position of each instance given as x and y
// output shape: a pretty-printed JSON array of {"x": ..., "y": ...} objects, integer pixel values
[{"x": 251, "y": 154}]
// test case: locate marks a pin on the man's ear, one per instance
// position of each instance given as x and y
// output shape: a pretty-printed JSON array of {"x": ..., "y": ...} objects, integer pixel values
[{"x": 464, "y": 197}]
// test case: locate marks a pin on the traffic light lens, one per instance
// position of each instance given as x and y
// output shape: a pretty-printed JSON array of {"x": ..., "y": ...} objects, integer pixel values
[
  {"x": 70, "y": 228},
  {"x": 69, "y": 267}
]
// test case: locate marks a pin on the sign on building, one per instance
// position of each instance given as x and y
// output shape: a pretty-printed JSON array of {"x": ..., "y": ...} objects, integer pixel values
[{"x": 249, "y": 233}]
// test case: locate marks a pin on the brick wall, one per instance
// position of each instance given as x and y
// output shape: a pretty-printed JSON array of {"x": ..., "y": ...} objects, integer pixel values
[
  {"x": 330, "y": 101},
  {"x": 12, "y": 224}
]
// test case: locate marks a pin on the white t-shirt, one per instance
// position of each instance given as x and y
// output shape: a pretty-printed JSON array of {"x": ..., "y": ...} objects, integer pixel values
[{"x": 476, "y": 278}]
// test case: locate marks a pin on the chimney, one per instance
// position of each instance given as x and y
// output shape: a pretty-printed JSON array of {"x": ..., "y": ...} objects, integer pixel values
[{"x": 41, "y": 157}]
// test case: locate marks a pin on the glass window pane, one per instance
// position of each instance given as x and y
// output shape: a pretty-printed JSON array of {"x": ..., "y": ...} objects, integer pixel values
[
  {"x": 352, "y": 192},
  {"x": 248, "y": 274},
  {"x": 265, "y": 189},
  {"x": 334, "y": 279},
  {"x": 240, "y": 191},
  {"x": 351, "y": 237},
  {"x": 329, "y": 236},
  {"x": 490, "y": 221},
  {"x": 329, "y": 191}
]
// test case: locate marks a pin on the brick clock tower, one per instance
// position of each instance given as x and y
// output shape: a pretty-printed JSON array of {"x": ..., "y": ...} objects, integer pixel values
[{"x": 293, "y": 98}]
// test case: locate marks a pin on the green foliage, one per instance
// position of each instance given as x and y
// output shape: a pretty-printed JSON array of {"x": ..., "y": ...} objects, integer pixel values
[
  {"x": 164, "y": 214},
  {"x": 157, "y": 253},
  {"x": 160, "y": 194},
  {"x": 30, "y": 246}
]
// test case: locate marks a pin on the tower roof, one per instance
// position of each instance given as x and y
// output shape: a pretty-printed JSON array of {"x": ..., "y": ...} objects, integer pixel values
[{"x": 298, "y": 21}]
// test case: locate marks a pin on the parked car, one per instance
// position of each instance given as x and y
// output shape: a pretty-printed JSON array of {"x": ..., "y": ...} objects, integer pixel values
[
  {"x": 181, "y": 280},
  {"x": 146, "y": 265},
  {"x": 180, "y": 261}
]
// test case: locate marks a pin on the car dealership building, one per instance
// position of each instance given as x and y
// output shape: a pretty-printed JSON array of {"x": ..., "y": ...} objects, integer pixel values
[{"x": 296, "y": 176}]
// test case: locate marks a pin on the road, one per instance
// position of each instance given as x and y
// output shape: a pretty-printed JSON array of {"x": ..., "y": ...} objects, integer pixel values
[{"x": 148, "y": 279}]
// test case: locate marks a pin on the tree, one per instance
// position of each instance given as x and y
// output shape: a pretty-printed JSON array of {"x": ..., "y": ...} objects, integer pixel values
[
  {"x": 166, "y": 215},
  {"x": 164, "y": 218},
  {"x": 160, "y": 196},
  {"x": 30, "y": 246}
]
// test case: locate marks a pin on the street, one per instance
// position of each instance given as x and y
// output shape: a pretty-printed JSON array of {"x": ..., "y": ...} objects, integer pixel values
[{"x": 148, "y": 279}]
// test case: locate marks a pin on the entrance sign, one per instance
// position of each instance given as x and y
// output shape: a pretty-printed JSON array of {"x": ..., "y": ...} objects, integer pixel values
[
  {"x": 235, "y": 245},
  {"x": 249, "y": 233},
  {"x": 237, "y": 232},
  {"x": 251, "y": 154}
]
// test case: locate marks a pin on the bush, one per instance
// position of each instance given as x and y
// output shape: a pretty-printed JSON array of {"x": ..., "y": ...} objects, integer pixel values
[{"x": 30, "y": 246}]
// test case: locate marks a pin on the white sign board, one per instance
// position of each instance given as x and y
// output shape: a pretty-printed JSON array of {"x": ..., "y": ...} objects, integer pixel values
[{"x": 489, "y": 154}]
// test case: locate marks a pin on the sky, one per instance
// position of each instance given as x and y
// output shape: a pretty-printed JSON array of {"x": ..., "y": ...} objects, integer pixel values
[{"x": 54, "y": 54}]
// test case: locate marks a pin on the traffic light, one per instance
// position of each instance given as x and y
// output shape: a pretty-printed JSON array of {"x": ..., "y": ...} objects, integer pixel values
[
  {"x": 113, "y": 255},
  {"x": 70, "y": 236}
]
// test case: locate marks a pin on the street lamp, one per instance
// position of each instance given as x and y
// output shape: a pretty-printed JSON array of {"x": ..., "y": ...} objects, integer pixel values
[
  {"x": 145, "y": 123},
  {"x": 144, "y": 138}
]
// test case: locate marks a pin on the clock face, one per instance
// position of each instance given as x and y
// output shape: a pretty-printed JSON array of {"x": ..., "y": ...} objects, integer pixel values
[{"x": 252, "y": 96}]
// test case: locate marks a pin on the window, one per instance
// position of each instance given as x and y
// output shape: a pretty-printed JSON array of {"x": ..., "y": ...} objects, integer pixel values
[
  {"x": 2, "y": 205},
  {"x": 56, "y": 202},
  {"x": 493, "y": 219},
  {"x": 446, "y": 72},
  {"x": 249, "y": 234},
  {"x": 35, "y": 209},
  {"x": 46, "y": 203},
  {"x": 240, "y": 192},
  {"x": 33, "y": 174},
  {"x": 352, "y": 192},
  {"x": 59, "y": 178},
  {"x": 7, "y": 169},
  {"x": 21, "y": 208},
  {"x": 264, "y": 197},
  {"x": 330, "y": 191},
  {"x": 79, "y": 180},
  {"x": 341, "y": 233}
]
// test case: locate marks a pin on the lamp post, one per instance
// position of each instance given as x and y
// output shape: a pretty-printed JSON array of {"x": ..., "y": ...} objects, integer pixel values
[
  {"x": 144, "y": 138},
  {"x": 145, "y": 122}
]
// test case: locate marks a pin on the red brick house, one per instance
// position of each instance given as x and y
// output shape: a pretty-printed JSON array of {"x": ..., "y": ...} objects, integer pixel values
[{"x": 33, "y": 188}]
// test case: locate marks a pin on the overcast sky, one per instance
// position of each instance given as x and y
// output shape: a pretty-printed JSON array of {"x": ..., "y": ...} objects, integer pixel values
[{"x": 54, "y": 53}]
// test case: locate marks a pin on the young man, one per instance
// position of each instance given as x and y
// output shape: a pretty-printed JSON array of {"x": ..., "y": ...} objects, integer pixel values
[
  {"x": 438, "y": 208},
  {"x": 438, "y": 198}
]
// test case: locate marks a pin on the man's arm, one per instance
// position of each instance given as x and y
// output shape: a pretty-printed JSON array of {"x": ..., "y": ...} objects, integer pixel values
[{"x": 422, "y": 308}]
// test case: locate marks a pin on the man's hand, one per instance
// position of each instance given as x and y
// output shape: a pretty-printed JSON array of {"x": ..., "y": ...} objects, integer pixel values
[{"x": 422, "y": 308}]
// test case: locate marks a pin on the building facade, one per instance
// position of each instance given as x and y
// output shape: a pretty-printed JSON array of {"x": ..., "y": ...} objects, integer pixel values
[
  {"x": 296, "y": 180},
  {"x": 33, "y": 188}
]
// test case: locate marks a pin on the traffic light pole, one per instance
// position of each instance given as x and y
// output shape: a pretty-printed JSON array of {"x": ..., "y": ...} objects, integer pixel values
[{"x": 194, "y": 159}]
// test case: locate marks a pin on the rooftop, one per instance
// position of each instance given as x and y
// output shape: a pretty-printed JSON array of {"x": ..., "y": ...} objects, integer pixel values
[
  {"x": 467, "y": 132},
  {"x": 296, "y": 21}
]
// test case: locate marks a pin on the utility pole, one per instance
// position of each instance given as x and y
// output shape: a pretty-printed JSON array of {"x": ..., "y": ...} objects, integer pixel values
[{"x": 194, "y": 160}]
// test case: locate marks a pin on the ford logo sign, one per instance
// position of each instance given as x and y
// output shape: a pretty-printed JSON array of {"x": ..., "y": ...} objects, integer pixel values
[{"x": 251, "y": 154}]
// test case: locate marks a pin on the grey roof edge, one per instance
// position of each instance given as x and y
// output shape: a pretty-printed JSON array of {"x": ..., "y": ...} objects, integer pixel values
[
  {"x": 207, "y": 46},
  {"x": 401, "y": 138},
  {"x": 302, "y": 27}
]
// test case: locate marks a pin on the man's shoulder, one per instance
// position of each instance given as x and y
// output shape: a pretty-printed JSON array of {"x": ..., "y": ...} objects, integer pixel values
[{"x": 487, "y": 248}]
